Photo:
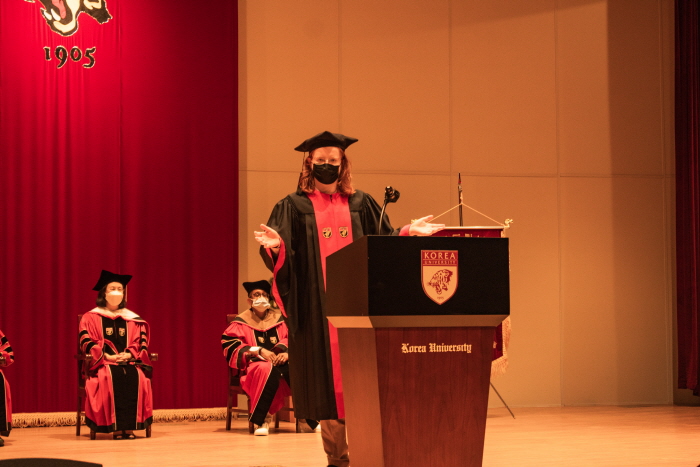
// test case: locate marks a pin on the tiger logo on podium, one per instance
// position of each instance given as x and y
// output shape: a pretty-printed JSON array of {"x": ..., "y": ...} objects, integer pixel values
[
  {"x": 439, "y": 274},
  {"x": 62, "y": 15}
]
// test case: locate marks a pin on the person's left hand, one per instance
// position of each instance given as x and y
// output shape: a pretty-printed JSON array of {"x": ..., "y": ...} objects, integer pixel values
[
  {"x": 123, "y": 357},
  {"x": 423, "y": 228},
  {"x": 281, "y": 359}
]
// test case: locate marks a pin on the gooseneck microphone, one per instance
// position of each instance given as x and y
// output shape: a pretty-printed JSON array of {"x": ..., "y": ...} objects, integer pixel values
[{"x": 390, "y": 196}]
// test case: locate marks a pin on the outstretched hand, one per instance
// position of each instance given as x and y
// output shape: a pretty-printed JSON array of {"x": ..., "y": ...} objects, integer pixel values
[
  {"x": 422, "y": 228},
  {"x": 268, "y": 238}
]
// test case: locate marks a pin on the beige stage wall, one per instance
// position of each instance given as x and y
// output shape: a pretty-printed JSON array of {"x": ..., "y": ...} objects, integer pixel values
[{"x": 558, "y": 114}]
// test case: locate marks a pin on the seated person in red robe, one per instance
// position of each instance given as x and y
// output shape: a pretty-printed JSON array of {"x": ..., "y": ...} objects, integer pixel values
[
  {"x": 7, "y": 357},
  {"x": 256, "y": 344},
  {"x": 119, "y": 398}
]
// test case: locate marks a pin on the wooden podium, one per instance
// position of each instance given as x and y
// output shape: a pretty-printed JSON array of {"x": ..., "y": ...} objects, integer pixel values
[{"x": 416, "y": 319}]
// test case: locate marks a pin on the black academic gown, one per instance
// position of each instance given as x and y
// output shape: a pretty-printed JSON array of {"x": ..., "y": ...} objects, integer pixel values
[{"x": 300, "y": 284}]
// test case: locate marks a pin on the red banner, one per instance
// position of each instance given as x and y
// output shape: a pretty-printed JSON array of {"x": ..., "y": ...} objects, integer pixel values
[{"x": 118, "y": 151}]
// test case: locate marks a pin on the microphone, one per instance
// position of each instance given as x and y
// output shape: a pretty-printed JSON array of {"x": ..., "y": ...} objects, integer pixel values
[{"x": 390, "y": 196}]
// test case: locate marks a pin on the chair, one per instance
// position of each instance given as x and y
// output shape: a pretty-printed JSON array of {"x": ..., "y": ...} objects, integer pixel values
[
  {"x": 234, "y": 389},
  {"x": 83, "y": 374},
  {"x": 2, "y": 364}
]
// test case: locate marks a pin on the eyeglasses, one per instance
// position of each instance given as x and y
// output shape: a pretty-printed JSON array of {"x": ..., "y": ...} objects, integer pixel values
[{"x": 259, "y": 294}]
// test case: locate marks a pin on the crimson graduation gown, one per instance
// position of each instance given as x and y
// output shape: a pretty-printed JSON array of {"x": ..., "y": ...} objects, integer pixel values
[
  {"x": 118, "y": 395},
  {"x": 312, "y": 227},
  {"x": 265, "y": 384},
  {"x": 5, "y": 399}
]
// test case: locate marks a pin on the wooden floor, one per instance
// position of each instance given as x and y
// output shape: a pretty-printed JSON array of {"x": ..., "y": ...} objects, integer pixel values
[{"x": 655, "y": 436}]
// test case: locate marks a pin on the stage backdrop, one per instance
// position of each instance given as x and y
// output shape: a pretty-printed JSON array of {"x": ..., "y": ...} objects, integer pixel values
[{"x": 118, "y": 133}]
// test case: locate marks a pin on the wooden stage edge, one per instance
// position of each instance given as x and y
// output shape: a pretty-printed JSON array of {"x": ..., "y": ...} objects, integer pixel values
[{"x": 637, "y": 436}]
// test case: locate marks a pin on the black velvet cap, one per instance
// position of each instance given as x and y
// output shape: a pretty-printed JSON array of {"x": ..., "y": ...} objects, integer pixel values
[
  {"x": 326, "y": 139},
  {"x": 262, "y": 285},
  {"x": 107, "y": 277}
]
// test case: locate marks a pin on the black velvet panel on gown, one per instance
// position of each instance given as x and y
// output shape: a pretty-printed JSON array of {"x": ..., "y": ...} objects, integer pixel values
[{"x": 125, "y": 378}]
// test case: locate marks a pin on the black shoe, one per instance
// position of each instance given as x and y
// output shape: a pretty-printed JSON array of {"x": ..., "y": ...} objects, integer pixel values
[
  {"x": 312, "y": 424},
  {"x": 2, "y": 442}
]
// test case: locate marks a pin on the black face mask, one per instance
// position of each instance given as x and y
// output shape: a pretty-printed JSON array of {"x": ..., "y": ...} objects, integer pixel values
[{"x": 326, "y": 173}]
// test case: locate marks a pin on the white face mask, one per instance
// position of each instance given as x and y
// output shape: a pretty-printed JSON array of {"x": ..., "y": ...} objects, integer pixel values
[
  {"x": 114, "y": 298},
  {"x": 261, "y": 304}
]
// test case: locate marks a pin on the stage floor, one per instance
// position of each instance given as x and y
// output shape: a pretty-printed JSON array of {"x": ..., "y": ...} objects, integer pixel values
[{"x": 655, "y": 436}]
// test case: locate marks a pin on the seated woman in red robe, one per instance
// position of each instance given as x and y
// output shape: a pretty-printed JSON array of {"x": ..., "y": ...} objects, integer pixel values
[
  {"x": 119, "y": 398},
  {"x": 256, "y": 344},
  {"x": 7, "y": 357}
]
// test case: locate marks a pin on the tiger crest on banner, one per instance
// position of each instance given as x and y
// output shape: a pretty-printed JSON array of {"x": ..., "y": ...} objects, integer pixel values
[
  {"x": 439, "y": 274},
  {"x": 62, "y": 15}
]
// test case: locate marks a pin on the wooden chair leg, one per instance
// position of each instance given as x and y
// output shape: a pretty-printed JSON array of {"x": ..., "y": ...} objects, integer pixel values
[
  {"x": 229, "y": 409},
  {"x": 298, "y": 429},
  {"x": 251, "y": 428},
  {"x": 77, "y": 419},
  {"x": 93, "y": 435},
  {"x": 277, "y": 420},
  {"x": 148, "y": 431}
]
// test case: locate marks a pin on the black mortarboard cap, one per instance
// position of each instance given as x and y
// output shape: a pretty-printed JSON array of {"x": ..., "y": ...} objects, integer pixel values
[
  {"x": 262, "y": 285},
  {"x": 326, "y": 139},
  {"x": 107, "y": 277}
]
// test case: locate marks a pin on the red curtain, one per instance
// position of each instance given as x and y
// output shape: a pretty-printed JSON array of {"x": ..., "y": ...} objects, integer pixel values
[
  {"x": 118, "y": 151},
  {"x": 687, "y": 191}
]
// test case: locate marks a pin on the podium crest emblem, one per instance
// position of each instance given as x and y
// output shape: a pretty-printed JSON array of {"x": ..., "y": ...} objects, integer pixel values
[{"x": 439, "y": 274}]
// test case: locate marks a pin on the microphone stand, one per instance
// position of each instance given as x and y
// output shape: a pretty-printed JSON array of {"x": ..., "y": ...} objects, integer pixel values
[
  {"x": 459, "y": 196},
  {"x": 390, "y": 196},
  {"x": 381, "y": 217}
]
